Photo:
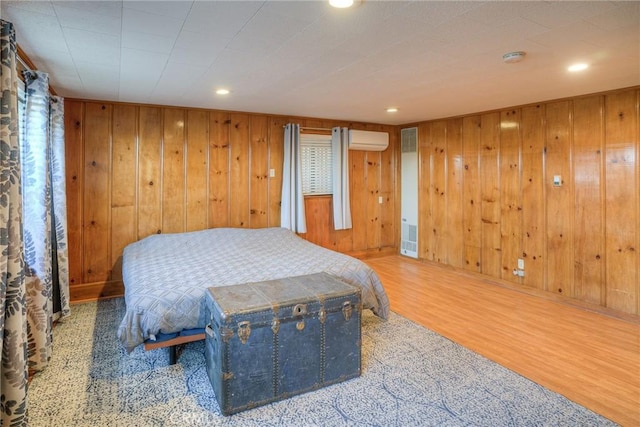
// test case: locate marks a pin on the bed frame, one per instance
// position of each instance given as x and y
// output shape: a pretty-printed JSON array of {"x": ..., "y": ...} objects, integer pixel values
[{"x": 172, "y": 344}]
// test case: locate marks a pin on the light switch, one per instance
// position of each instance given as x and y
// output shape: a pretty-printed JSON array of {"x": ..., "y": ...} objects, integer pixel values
[
  {"x": 380, "y": 199},
  {"x": 557, "y": 180},
  {"x": 272, "y": 173}
]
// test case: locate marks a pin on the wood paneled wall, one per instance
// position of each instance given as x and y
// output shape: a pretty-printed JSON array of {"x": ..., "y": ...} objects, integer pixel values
[
  {"x": 487, "y": 197},
  {"x": 135, "y": 170}
]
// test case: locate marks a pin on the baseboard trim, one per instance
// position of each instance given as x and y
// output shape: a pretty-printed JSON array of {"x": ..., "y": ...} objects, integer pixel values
[
  {"x": 86, "y": 292},
  {"x": 373, "y": 253}
]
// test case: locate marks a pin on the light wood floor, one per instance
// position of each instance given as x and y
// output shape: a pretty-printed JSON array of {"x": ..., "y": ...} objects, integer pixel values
[{"x": 589, "y": 357}]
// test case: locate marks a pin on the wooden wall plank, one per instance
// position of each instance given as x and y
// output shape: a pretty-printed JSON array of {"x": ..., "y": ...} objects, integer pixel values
[
  {"x": 587, "y": 160},
  {"x": 124, "y": 158},
  {"x": 388, "y": 233},
  {"x": 259, "y": 170},
  {"x": 372, "y": 164},
  {"x": 455, "y": 175},
  {"x": 491, "y": 258},
  {"x": 342, "y": 239},
  {"x": 533, "y": 196},
  {"x": 471, "y": 198},
  {"x": 219, "y": 162},
  {"x": 96, "y": 218},
  {"x": 124, "y": 155},
  {"x": 173, "y": 171},
  {"x": 510, "y": 194},
  {"x": 559, "y": 198},
  {"x": 319, "y": 208},
  {"x": 276, "y": 159},
  {"x": 439, "y": 212},
  {"x": 239, "y": 143},
  {"x": 637, "y": 290},
  {"x": 74, "y": 170},
  {"x": 425, "y": 190},
  {"x": 357, "y": 184},
  {"x": 621, "y": 124},
  {"x": 149, "y": 172},
  {"x": 197, "y": 168}
]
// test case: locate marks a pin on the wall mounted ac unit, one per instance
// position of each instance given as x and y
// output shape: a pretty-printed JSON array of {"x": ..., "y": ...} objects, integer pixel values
[{"x": 366, "y": 140}]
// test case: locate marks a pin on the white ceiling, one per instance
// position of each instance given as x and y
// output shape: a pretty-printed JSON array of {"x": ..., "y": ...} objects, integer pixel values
[{"x": 429, "y": 59}]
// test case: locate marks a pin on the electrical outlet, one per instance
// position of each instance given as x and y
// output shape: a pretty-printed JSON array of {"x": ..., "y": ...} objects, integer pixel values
[
  {"x": 521, "y": 273},
  {"x": 272, "y": 173},
  {"x": 557, "y": 180},
  {"x": 520, "y": 263}
]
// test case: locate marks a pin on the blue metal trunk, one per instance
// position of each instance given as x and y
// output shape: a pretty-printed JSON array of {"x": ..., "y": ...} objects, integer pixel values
[{"x": 271, "y": 340}]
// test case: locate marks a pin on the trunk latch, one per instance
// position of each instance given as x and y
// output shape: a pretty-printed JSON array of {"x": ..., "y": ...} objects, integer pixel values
[
  {"x": 347, "y": 310},
  {"x": 244, "y": 330}
]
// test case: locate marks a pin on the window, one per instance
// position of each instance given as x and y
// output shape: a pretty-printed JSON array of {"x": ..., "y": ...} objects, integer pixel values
[{"x": 317, "y": 173}]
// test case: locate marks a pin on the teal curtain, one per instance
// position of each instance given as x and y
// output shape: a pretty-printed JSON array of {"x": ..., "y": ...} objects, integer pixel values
[
  {"x": 292, "y": 214},
  {"x": 13, "y": 306}
]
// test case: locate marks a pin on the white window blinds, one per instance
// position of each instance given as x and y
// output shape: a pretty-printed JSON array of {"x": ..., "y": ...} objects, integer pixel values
[{"x": 317, "y": 173}]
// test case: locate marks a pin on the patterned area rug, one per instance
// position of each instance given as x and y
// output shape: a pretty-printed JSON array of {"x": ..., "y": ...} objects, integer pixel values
[{"x": 411, "y": 376}]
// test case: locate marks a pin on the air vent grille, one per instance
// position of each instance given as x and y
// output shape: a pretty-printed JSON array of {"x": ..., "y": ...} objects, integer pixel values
[
  {"x": 409, "y": 240},
  {"x": 409, "y": 140}
]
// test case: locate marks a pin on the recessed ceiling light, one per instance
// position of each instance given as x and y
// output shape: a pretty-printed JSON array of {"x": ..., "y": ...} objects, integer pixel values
[
  {"x": 341, "y": 4},
  {"x": 392, "y": 110},
  {"x": 222, "y": 91},
  {"x": 578, "y": 67},
  {"x": 512, "y": 57}
]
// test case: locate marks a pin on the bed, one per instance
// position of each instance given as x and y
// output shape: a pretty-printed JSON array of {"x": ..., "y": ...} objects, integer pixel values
[{"x": 166, "y": 276}]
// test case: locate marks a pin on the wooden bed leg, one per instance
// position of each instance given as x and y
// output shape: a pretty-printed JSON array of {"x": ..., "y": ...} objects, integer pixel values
[{"x": 172, "y": 354}]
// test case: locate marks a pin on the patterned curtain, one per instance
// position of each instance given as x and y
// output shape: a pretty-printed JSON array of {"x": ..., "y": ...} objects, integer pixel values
[
  {"x": 292, "y": 210},
  {"x": 59, "y": 250},
  {"x": 340, "y": 157},
  {"x": 42, "y": 189},
  {"x": 13, "y": 317}
]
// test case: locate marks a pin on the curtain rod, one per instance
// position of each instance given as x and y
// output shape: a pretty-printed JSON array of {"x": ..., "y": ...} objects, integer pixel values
[
  {"x": 24, "y": 59},
  {"x": 310, "y": 128},
  {"x": 24, "y": 64}
]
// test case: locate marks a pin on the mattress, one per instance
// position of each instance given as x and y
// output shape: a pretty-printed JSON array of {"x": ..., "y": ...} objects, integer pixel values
[{"x": 166, "y": 275}]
